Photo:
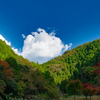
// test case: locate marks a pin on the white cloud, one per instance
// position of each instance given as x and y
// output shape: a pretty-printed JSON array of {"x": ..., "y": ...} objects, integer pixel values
[
  {"x": 41, "y": 46},
  {"x": 23, "y": 35},
  {"x": 53, "y": 33},
  {"x": 67, "y": 47},
  {"x": 16, "y": 51}
]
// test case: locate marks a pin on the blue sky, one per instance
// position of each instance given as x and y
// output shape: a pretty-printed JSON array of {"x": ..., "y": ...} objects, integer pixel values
[{"x": 52, "y": 22}]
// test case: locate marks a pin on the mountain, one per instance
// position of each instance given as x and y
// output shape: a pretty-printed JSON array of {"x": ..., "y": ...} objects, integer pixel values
[
  {"x": 75, "y": 64},
  {"x": 48, "y": 80}
]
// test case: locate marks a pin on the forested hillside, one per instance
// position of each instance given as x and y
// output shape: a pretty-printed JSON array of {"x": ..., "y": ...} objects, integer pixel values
[
  {"x": 74, "y": 64},
  {"x": 48, "y": 80},
  {"x": 18, "y": 76}
]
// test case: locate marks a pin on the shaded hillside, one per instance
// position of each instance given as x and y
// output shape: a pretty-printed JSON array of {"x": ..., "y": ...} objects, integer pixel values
[{"x": 7, "y": 53}]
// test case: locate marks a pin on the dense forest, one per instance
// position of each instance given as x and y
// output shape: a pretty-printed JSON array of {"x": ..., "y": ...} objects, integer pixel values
[{"x": 49, "y": 81}]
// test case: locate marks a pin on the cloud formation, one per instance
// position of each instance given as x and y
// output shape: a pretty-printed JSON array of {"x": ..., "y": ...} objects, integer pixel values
[
  {"x": 17, "y": 51},
  {"x": 23, "y": 35},
  {"x": 41, "y": 46}
]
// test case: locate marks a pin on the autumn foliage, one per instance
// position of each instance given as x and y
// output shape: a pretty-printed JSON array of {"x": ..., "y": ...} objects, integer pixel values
[
  {"x": 97, "y": 70},
  {"x": 88, "y": 89},
  {"x": 6, "y": 71},
  {"x": 98, "y": 89}
]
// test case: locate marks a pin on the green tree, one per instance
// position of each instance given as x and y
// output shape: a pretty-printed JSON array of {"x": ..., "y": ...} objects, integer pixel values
[
  {"x": 2, "y": 86},
  {"x": 74, "y": 86},
  {"x": 11, "y": 87}
]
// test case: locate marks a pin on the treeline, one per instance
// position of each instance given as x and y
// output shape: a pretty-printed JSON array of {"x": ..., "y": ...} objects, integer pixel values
[{"x": 88, "y": 89}]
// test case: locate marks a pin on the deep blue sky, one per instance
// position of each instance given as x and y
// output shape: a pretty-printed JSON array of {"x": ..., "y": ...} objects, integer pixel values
[{"x": 75, "y": 21}]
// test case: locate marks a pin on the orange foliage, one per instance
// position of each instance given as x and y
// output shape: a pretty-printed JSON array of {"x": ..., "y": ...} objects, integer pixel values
[{"x": 6, "y": 71}]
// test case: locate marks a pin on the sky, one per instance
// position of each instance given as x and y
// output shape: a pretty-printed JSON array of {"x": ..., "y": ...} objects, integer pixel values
[{"x": 40, "y": 30}]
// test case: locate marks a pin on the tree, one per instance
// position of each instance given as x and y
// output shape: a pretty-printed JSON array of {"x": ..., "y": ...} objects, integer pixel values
[
  {"x": 92, "y": 91},
  {"x": 97, "y": 71},
  {"x": 21, "y": 86},
  {"x": 6, "y": 71},
  {"x": 11, "y": 87},
  {"x": 88, "y": 89},
  {"x": 85, "y": 91},
  {"x": 98, "y": 89},
  {"x": 2, "y": 86},
  {"x": 74, "y": 86}
]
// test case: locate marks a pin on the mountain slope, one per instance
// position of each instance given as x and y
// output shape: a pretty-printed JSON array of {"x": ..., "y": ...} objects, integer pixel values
[
  {"x": 75, "y": 63},
  {"x": 18, "y": 76}
]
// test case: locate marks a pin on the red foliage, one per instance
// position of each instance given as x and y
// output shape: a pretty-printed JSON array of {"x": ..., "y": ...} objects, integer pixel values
[
  {"x": 88, "y": 89},
  {"x": 6, "y": 71},
  {"x": 97, "y": 72},
  {"x": 92, "y": 91},
  {"x": 95, "y": 66},
  {"x": 98, "y": 89},
  {"x": 98, "y": 65},
  {"x": 85, "y": 85},
  {"x": 4, "y": 63},
  {"x": 99, "y": 79}
]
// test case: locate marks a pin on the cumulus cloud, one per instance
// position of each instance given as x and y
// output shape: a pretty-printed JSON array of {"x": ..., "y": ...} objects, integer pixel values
[
  {"x": 23, "y": 35},
  {"x": 41, "y": 46}
]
